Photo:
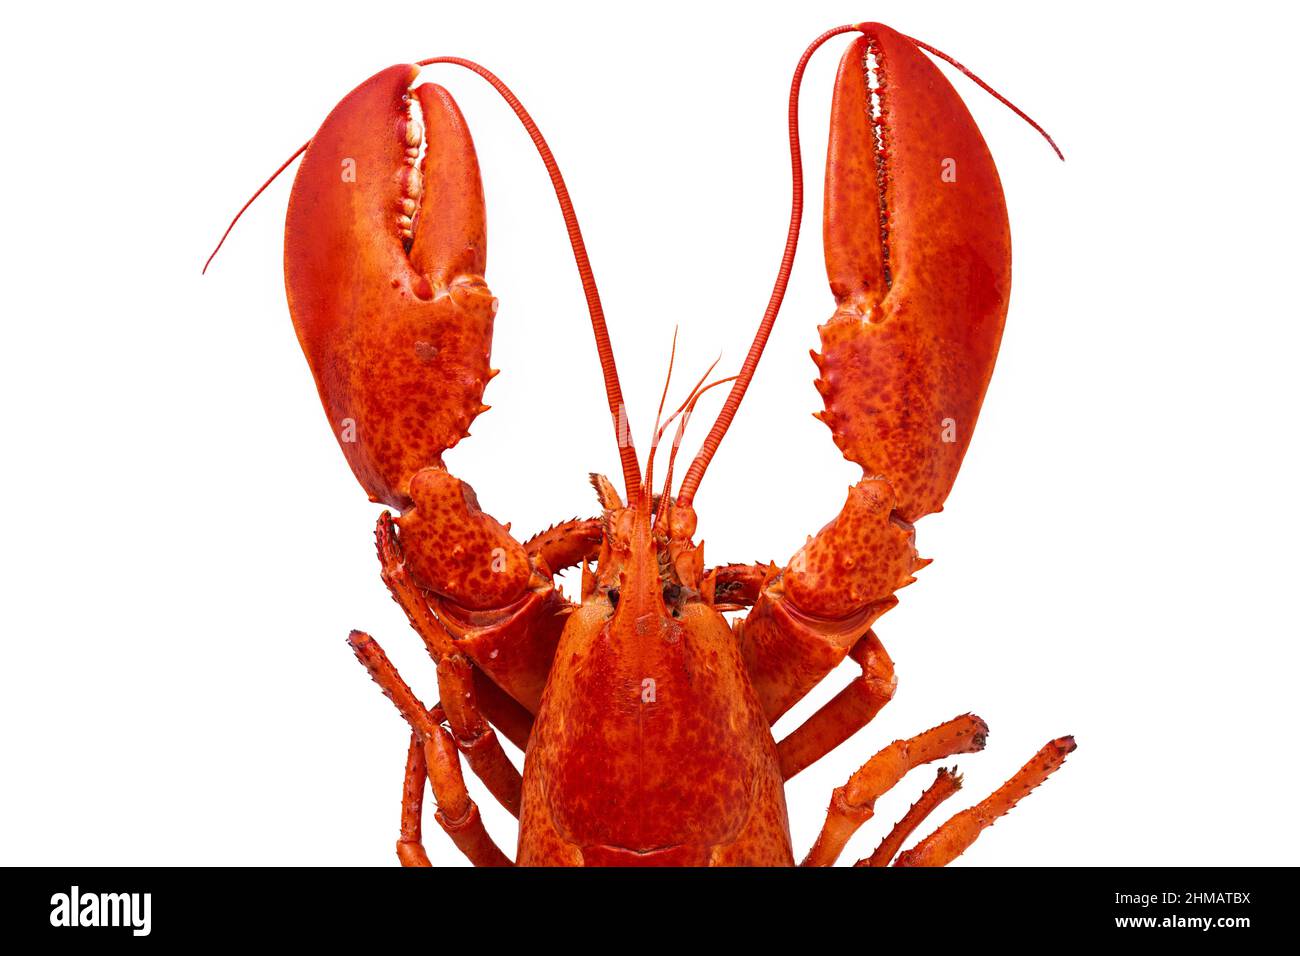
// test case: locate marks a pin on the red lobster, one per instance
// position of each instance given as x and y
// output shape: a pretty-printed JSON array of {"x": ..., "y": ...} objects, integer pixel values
[{"x": 644, "y": 714}]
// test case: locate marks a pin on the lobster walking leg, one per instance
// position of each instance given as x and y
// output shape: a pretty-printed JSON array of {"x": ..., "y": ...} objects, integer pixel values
[
  {"x": 409, "y": 597},
  {"x": 502, "y": 711},
  {"x": 945, "y": 785},
  {"x": 566, "y": 545},
  {"x": 846, "y": 713},
  {"x": 474, "y": 735},
  {"x": 457, "y": 813},
  {"x": 952, "y": 838},
  {"x": 456, "y": 683},
  {"x": 854, "y": 803},
  {"x": 410, "y": 845}
]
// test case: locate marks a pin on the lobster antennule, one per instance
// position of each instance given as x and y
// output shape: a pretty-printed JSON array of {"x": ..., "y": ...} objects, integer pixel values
[
  {"x": 648, "y": 483},
  {"x": 684, "y": 410},
  {"x": 683, "y": 415}
]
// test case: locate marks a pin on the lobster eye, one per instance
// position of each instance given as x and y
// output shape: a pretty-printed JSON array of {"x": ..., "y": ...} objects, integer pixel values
[{"x": 612, "y": 594}]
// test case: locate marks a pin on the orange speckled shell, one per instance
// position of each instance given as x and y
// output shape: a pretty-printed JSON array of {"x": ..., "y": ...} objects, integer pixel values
[
  {"x": 650, "y": 747},
  {"x": 861, "y": 557}
]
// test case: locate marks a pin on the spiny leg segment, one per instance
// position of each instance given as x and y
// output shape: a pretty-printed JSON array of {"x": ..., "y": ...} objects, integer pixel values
[
  {"x": 945, "y": 785},
  {"x": 457, "y": 813},
  {"x": 952, "y": 838},
  {"x": 854, "y": 803},
  {"x": 846, "y": 713}
]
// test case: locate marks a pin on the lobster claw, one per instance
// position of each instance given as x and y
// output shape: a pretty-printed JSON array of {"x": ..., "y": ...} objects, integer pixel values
[
  {"x": 384, "y": 266},
  {"x": 918, "y": 254}
]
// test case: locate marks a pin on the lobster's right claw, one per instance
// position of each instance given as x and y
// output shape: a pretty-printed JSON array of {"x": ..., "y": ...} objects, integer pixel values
[
  {"x": 384, "y": 266},
  {"x": 918, "y": 254}
]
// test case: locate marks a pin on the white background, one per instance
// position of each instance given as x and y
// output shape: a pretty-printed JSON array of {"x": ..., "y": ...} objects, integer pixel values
[{"x": 185, "y": 549}]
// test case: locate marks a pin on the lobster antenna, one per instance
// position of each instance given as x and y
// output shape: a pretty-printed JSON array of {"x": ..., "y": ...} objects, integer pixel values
[
  {"x": 243, "y": 209},
  {"x": 614, "y": 393},
  {"x": 992, "y": 92},
  {"x": 693, "y": 475}
]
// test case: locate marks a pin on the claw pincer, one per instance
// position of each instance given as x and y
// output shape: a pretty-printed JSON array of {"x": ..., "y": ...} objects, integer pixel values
[
  {"x": 918, "y": 254},
  {"x": 385, "y": 249},
  {"x": 918, "y": 258},
  {"x": 374, "y": 245}
]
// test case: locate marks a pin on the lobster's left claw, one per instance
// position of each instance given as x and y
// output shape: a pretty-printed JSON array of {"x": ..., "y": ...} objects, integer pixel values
[
  {"x": 918, "y": 254},
  {"x": 384, "y": 270}
]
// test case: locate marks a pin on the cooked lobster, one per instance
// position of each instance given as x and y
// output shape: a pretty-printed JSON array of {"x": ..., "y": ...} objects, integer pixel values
[{"x": 644, "y": 713}]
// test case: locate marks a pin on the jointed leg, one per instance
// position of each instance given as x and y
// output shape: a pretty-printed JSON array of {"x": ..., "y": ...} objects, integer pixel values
[
  {"x": 945, "y": 785},
  {"x": 846, "y": 713},
  {"x": 499, "y": 707},
  {"x": 512, "y": 645},
  {"x": 457, "y": 814},
  {"x": 409, "y": 597},
  {"x": 568, "y": 544},
  {"x": 456, "y": 679},
  {"x": 854, "y": 803},
  {"x": 410, "y": 847},
  {"x": 951, "y": 839},
  {"x": 502, "y": 711},
  {"x": 474, "y": 735}
]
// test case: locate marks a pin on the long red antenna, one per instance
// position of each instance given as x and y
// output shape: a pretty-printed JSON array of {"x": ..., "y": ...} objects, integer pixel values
[
  {"x": 992, "y": 92},
  {"x": 252, "y": 199},
  {"x": 622, "y": 432},
  {"x": 714, "y": 438}
]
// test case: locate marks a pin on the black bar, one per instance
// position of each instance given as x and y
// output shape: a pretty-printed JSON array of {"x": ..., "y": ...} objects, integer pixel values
[{"x": 1037, "y": 908}]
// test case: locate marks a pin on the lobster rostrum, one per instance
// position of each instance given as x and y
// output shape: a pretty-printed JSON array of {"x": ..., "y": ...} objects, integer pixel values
[{"x": 646, "y": 715}]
